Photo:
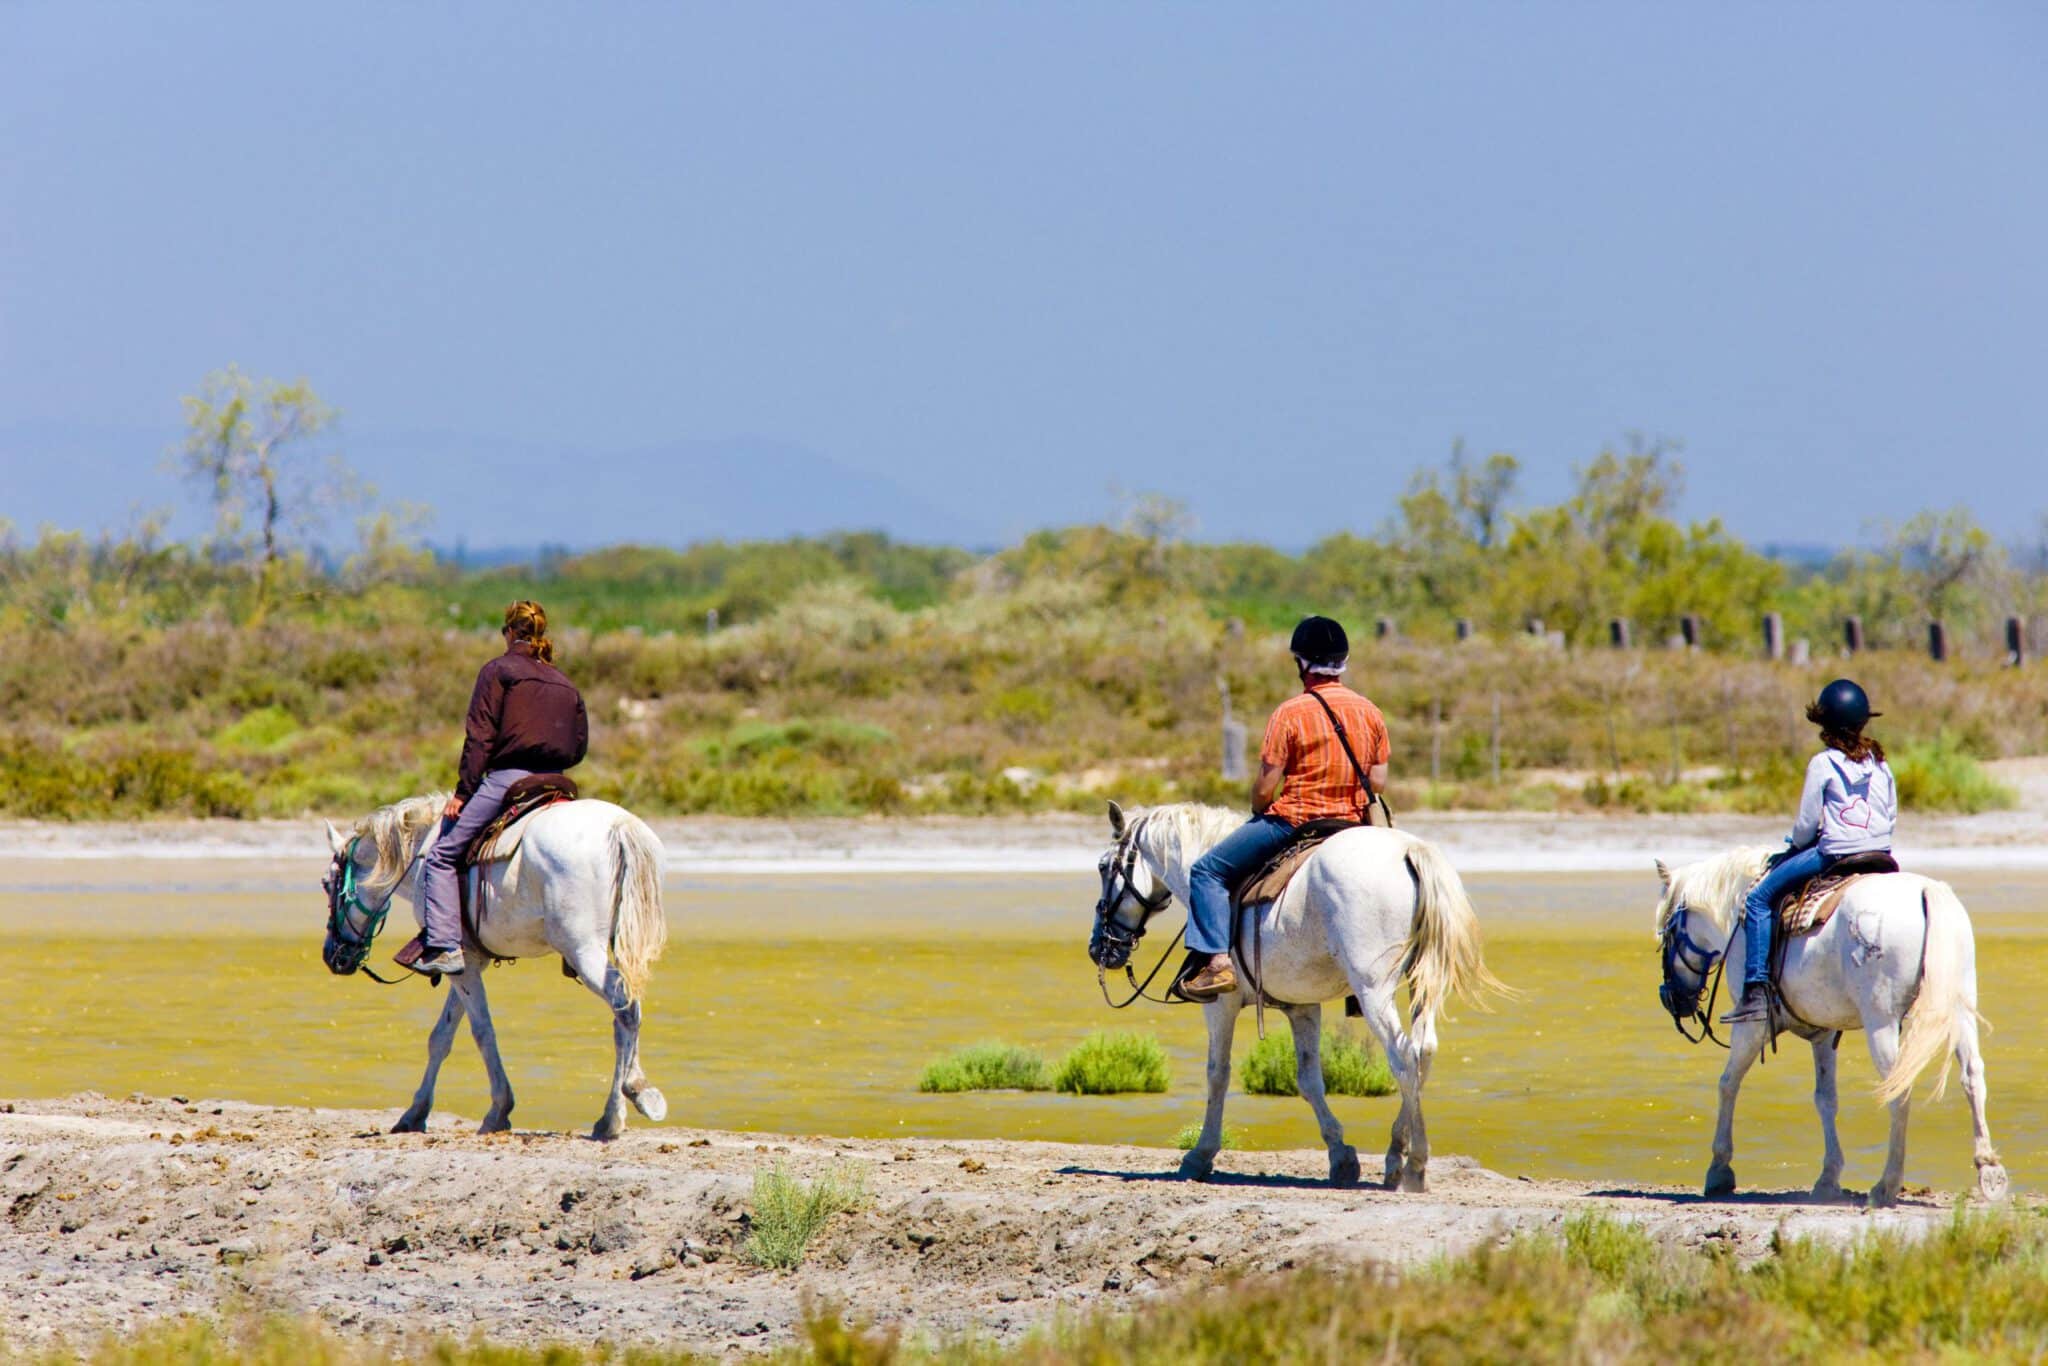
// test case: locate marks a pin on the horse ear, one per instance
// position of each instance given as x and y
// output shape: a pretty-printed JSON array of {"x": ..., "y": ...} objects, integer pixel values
[
  {"x": 1116, "y": 820},
  {"x": 334, "y": 839},
  {"x": 1664, "y": 874}
]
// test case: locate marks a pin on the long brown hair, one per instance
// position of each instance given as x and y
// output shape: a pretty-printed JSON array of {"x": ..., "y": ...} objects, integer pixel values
[
  {"x": 1856, "y": 747},
  {"x": 528, "y": 621}
]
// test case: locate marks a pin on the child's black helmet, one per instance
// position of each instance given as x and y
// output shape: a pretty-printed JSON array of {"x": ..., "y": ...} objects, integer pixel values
[
  {"x": 1842, "y": 706},
  {"x": 1320, "y": 640}
]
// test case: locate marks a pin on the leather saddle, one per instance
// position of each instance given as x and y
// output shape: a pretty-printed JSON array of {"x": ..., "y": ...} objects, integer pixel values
[
  {"x": 1270, "y": 882},
  {"x": 1805, "y": 908},
  {"x": 497, "y": 842}
]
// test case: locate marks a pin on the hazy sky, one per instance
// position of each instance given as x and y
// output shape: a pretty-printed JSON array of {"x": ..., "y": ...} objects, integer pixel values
[{"x": 1266, "y": 258}]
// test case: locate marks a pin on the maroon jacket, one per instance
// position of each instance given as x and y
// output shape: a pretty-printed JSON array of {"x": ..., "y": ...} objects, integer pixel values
[{"x": 523, "y": 714}]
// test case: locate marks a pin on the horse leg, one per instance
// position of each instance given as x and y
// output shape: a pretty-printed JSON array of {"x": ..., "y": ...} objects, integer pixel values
[
  {"x": 470, "y": 987},
  {"x": 594, "y": 970},
  {"x": 1407, "y": 1149},
  {"x": 1307, "y": 1023},
  {"x": 1222, "y": 1018},
  {"x": 1991, "y": 1179},
  {"x": 1829, "y": 1187},
  {"x": 439, "y": 1041},
  {"x": 1884, "y": 1051},
  {"x": 1746, "y": 1045}
]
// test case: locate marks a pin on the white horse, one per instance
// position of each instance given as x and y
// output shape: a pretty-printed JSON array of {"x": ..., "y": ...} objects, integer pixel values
[
  {"x": 585, "y": 883},
  {"x": 1371, "y": 909},
  {"x": 1896, "y": 960}
]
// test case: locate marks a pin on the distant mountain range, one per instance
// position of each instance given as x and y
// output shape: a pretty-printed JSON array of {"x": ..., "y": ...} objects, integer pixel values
[{"x": 491, "y": 493}]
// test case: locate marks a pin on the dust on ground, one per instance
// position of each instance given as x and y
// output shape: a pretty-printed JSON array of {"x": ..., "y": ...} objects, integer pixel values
[{"x": 120, "y": 1211}]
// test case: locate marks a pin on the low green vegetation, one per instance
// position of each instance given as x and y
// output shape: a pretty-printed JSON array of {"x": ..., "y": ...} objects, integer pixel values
[
  {"x": 1599, "y": 1290},
  {"x": 847, "y": 675},
  {"x": 986, "y": 1067},
  {"x": 1352, "y": 1065},
  {"x": 787, "y": 1213},
  {"x": 1112, "y": 1063},
  {"x": 1191, "y": 1134}
]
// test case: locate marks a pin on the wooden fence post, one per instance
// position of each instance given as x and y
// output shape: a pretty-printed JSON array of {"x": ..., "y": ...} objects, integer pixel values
[
  {"x": 2015, "y": 641},
  {"x": 1235, "y": 770},
  {"x": 1689, "y": 629},
  {"x": 1618, "y": 633},
  {"x": 1464, "y": 629},
  {"x": 1937, "y": 641},
  {"x": 1852, "y": 635},
  {"x": 1383, "y": 629},
  {"x": 1496, "y": 739},
  {"x": 1774, "y": 636},
  {"x": 1436, "y": 741}
]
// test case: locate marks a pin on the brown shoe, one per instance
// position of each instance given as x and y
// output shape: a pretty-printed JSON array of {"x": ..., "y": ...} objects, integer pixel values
[
  {"x": 1754, "y": 1005},
  {"x": 1207, "y": 983}
]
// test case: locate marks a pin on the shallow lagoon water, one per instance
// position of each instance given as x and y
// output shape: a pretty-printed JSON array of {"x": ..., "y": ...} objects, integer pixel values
[{"x": 809, "y": 1004}]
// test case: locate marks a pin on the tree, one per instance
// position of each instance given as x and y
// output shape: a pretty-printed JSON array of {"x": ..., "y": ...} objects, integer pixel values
[
  {"x": 1481, "y": 493},
  {"x": 251, "y": 443}
]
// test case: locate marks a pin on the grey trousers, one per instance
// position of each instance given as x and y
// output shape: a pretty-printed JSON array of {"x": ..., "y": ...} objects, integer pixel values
[{"x": 438, "y": 873}]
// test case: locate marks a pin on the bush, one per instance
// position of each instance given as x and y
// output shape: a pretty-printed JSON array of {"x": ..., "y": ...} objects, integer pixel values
[
  {"x": 1352, "y": 1065},
  {"x": 787, "y": 1213},
  {"x": 1192, "y": 1134},
  {"x": 986, "y": 1067},
  {"x": 1939, "y": 775},
  {"x": 1108, "y": 1064}
]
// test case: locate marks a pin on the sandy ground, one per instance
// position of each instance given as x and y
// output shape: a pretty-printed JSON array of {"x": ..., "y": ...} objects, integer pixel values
[
  {"x": 118, "y": 1211},
  {"x": 1477, "y": 842}
]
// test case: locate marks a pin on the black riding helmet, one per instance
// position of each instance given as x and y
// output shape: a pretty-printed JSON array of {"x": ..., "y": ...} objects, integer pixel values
[
  {"x": 1319, "y": 640},
  {"x": 1842, "y": 706}
]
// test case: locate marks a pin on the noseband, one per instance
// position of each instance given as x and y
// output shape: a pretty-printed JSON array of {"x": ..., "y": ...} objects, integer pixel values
[
  {"x": 1113, "y": 942},
  {"x": 1678, "y": 949}
]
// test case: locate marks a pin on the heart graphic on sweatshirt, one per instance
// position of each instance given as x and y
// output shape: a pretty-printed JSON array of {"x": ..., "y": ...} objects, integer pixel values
[{"x": 1854, "y": 813}]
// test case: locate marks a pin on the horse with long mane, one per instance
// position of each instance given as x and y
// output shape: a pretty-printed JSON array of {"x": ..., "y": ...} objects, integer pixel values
[
  {"x": 1370, "y": 910},
  {"x": 585, "y": 884},
  {"x": 1897, "y": 960}
]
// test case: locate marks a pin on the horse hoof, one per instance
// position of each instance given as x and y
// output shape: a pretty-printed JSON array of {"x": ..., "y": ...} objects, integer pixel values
[
  {"x": 1413, "y": 1182},
  {"x": 1392, "y": 1173},
  {"x": 1720, "y": 1182},
  {"x": 1829, "y": 1191},
  {"x": 1883, "y": 1197},
  {"x": 605, "y": 1132},
  {"x": 500, "y": 1125},
  {"x": 1992, "y": 1183},
  {"x": 1344, "y": 1168},
  {"x": 651, "y": 1103},
  {"x": 1197, "y": 1166},
  {"x": 408, "y": 1125}
]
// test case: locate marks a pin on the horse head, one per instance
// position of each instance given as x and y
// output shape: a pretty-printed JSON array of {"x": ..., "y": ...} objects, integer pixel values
[
  {"x": 363, "y": 877},
  {"x": 1131, "y": 894},
  {"x": 1690, "y": 945}
]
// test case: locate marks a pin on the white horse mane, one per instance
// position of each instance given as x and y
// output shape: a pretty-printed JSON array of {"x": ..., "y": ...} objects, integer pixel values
[
  {"x": 1175, "y": 836},
  {"x": 395, "y": 832},
  {"x": 1715, "y": 886}
]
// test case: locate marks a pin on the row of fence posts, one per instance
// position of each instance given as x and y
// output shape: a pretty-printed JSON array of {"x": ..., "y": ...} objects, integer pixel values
[{"x": 1691, "y": 635}]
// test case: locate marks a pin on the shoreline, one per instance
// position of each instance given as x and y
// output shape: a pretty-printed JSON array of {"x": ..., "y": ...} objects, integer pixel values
[{"x": 1068, "y": 844}]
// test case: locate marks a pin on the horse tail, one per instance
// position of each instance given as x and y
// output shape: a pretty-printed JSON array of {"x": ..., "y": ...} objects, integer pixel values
[
  {"x": 1443, "y": 954},
  {"x": 639, "y": 929},
  {"x": 1947, "y": 1001}
]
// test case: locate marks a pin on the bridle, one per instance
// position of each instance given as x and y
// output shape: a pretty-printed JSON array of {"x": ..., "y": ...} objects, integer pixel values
[
  {"x": 347, "y": 947},
  {"x": 1113, "y": 941},
  {"x": 1678, "y": 949}
]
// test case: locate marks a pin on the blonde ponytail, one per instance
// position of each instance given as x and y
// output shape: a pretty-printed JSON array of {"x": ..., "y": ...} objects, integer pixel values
[{"x": 528, "y": 621}]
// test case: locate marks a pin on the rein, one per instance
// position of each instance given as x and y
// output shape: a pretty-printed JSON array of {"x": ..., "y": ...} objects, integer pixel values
[
  {"x": 1678, "y": 947},
  {"x": 1116, "y": 885}
]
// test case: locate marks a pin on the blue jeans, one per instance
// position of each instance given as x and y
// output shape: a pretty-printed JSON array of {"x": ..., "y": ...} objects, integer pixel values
[
  {"x": 1757, "y": 916},
  {"x": 1222, "y": 868},
  {"x": 439, "y": 876}
]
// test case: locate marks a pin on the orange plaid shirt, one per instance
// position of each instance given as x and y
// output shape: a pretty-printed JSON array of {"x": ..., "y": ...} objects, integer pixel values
[{"x": 1320, "y": 781}]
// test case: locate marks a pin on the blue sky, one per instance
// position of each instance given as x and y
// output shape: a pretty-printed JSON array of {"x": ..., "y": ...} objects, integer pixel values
[{"x": 1006, "y": 258}]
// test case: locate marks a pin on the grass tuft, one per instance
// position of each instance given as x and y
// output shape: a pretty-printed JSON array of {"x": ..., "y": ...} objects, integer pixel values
[
  {"x": 787, "y": 1213},
  {"x": 1352, "y": 1065},
  {"x": 986, "y": 1067},
  {"x": 1192, "y": 1134},
  {"x": 1939, "y": 775},
  {"x": 1109, "y": 1064}
]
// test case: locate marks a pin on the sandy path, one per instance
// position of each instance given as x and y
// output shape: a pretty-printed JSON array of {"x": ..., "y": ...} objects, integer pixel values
[{"x": 118, "y": 1211}]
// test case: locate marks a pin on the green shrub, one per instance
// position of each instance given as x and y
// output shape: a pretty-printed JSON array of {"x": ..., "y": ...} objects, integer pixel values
[
  {"x": 1939, "y": 775},
  {"x": 263, "y": 729},
  {"x": 1352, "y": 1065},
  {"x": 1108, "y": 1064},
  {"x": 1192, "y": 1134},
  {"x": 786, "y": 1213},
  {"x": 986, "y": 1067}
]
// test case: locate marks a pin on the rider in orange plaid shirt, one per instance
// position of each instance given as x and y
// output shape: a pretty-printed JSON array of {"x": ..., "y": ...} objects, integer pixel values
[{"x": 1304, "y": 775}]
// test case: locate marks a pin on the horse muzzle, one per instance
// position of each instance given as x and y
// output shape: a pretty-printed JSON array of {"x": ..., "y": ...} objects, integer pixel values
[
  {"x": 343, "y": 957},
  {"x": 1681, "y": 1003},
  {"x": 1110, "y": 945}
]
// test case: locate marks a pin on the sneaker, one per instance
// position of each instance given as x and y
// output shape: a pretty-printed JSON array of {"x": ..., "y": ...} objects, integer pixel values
[
  {"x": 1755, "y": 1005},
  {"x": 1208, "y": 983},
  {"x": 445, "y": 961}
]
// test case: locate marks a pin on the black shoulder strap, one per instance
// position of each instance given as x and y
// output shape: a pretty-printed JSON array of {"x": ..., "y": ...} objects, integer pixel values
[{"x": 1344, "y": 742}]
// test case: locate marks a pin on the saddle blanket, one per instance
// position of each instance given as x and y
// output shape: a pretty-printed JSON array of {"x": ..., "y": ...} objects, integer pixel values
[
  {"x": 1804, "y": 910},
  {"x": 1270, "y": 881}
]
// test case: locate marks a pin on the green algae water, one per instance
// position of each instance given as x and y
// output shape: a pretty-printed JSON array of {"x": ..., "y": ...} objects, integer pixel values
[{"x": 809, "y": 1004}]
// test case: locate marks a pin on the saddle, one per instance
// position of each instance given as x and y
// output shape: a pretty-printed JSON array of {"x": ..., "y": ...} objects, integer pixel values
[
  {"x": 1268, "y": 884},
  {"x": 1804, "y": 909},
  {"x": 499, "y": 841}
]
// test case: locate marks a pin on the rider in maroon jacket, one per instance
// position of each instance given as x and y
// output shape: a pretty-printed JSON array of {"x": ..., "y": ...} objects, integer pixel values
[{"x": 525, "y": 717}]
